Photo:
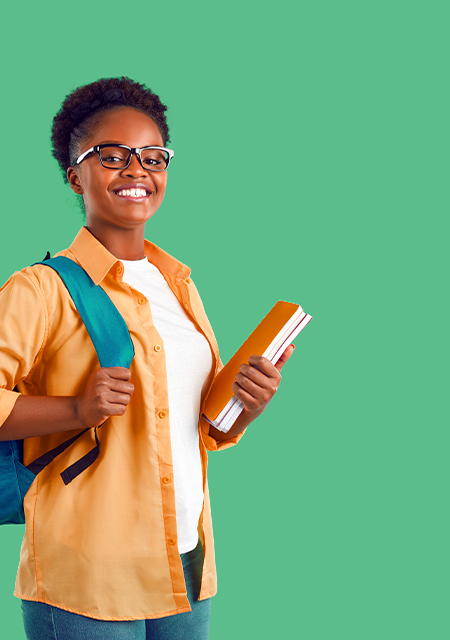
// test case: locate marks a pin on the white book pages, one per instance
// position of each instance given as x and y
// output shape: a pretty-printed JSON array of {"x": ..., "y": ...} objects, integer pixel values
[
  {"x": 229, "y": 414},
  {"x": 288, "y": 337}
]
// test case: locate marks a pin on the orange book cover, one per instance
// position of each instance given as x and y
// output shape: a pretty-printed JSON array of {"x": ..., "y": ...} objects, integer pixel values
[{"x": 257, "y": 343}]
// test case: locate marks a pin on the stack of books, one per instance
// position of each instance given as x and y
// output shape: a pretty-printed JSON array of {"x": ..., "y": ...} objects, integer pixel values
[{"x": 270, "y": 339}]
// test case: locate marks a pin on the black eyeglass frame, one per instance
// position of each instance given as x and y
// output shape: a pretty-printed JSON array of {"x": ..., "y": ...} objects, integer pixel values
[{"x": 98, "y": 147}]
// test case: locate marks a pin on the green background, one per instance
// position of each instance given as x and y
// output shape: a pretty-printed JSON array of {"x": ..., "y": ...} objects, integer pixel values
[{"x": 322, "y": 129}]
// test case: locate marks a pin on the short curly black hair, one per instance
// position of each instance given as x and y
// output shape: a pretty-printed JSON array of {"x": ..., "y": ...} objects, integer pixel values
[{"x": 68, "y": 134}]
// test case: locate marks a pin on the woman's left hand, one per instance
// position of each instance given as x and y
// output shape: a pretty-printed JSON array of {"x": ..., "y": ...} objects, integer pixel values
[{"x": 256, "y": 384}]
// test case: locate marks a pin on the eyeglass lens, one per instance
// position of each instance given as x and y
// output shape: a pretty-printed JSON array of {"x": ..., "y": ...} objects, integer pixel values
[{"x": 116, "y": 158}]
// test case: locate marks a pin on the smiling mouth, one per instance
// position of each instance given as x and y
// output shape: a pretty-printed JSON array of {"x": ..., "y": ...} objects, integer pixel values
[{"x": 135, "y": 194}]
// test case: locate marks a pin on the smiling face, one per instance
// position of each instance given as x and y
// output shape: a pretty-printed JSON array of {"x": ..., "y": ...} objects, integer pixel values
[{"x": 108, "y": 195}]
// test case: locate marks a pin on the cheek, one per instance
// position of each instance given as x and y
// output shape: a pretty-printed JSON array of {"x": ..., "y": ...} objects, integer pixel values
[
  {"x": 87, "y": 182},
  {"x": 161, "y": 184},
  {"x": 96, "y": 187}
]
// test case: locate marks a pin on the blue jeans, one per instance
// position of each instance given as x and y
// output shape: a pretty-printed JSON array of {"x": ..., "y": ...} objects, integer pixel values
[{"x": 45, "y": 622}]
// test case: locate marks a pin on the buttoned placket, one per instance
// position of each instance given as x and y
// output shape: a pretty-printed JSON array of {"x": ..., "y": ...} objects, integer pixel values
[
  {"x": 163, "y": 433},
  {"x": 180, "y": 288}
]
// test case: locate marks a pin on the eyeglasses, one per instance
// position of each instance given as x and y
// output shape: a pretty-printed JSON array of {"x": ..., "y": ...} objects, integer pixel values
[{"x": 118, "y": 156}]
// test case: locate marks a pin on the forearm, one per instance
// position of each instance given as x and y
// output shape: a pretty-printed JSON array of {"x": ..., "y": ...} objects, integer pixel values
[{"x": 40, "y": 415}]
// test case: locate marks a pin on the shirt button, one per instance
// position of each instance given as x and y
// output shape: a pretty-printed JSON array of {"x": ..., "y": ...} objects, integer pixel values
[
  {"x": 162, "y": 414},
  {"x": 172, "y": 542},
  {"x": 119, "y": 270},
  {"x": 157, "y": 347},
  {"x": 142, "y": 300},
  {"x": 167, "y": 480}
]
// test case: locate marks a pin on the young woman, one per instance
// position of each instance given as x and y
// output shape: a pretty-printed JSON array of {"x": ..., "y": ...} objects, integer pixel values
[{"x": 125, "y": 550}]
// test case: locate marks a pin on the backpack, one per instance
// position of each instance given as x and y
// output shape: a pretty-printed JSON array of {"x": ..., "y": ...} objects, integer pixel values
[{"x": 114, "y": 348}]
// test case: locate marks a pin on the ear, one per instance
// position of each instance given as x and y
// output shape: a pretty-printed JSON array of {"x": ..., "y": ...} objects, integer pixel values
[{"x": 74, "y": 180}]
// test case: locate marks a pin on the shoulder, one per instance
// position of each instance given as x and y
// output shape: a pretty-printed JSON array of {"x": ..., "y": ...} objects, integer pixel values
[
  {"x": 35, "y": 284},
  {"x": 23, "y": 313},
  {"x": 21, "y": 283},
  {"x": 43, "y": 274}
]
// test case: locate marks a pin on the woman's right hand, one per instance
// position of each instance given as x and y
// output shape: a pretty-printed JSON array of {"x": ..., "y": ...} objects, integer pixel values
[{"x": 107, "y": 393}]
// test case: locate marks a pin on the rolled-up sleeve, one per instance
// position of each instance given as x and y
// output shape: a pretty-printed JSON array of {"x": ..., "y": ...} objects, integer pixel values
[
  {"x": 211, "y": 443},
  {"x": 23, "y": 331}
]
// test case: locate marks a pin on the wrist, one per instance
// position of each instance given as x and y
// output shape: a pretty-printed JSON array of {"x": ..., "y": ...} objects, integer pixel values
[{"x": 77, "y": 414}]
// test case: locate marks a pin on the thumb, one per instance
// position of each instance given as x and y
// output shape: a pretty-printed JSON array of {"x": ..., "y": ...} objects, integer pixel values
[{"x": 284, "y": 357}]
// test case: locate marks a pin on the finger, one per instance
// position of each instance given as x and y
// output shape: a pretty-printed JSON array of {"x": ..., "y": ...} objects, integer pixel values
[
  {"x": 121, "y": 386},
  {"x": 117, "y": 409},
  {"x": 263, "y": 365},
  {"x": 249, "y": 402},
  {"x": 119, "y": 398},
  {"x": 261, "y": 378},
  {"x": 118, "y": 373},
  {"x": 285, "y": 357},
  {"x": 112, "y": 408},
  {"x": 248, "y": 385},
  {"x": 107, "y": 396}
]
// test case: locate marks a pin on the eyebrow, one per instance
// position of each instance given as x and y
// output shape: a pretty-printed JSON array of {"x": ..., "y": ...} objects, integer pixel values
[{"x": 127, "y": 145}]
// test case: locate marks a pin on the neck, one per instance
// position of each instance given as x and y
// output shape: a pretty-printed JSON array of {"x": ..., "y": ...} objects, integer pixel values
[{"x": 124, "y": 244}]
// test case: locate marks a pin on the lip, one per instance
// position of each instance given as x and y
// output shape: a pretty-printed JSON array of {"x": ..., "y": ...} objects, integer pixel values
[{"x": 133, "y": 185}]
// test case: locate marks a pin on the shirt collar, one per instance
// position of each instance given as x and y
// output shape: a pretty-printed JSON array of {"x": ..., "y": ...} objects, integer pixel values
[{"x": 97, "y": 261}]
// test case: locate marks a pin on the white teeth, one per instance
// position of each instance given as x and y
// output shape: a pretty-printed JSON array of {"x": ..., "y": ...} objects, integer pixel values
[{"x": 132, "y": 193}]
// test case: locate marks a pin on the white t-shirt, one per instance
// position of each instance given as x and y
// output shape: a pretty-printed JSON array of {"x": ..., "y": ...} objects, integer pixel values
[{"x": 188, "y": 364}]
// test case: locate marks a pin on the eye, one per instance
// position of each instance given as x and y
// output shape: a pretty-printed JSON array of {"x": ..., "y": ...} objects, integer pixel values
[
  {"x": 111, "y": 158},
  {"x": 114, "y": 156},
  {"x": 154, "y": 158},
  {"x": 151, "y": 161}
]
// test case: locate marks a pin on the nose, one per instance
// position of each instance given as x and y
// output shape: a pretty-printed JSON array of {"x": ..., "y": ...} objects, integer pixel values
[{"x": 135, "y": 168}]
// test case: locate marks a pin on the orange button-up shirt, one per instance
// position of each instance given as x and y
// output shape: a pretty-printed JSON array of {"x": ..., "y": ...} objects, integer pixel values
[{"x": 105, "y": 545}]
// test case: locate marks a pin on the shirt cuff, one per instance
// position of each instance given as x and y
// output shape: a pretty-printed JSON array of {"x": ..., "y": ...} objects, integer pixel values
[
  {"x": 211, "y": 443},
  {"x": 7, "y": 401}
]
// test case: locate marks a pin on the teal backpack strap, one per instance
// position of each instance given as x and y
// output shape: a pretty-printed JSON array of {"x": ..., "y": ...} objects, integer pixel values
[
  {"x": 110, "y": 336},
  {"x": 105, "y": 325}
]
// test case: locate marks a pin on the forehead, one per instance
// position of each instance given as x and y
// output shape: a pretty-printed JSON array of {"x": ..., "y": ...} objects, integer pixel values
[{"x": 126, "y": 126}]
